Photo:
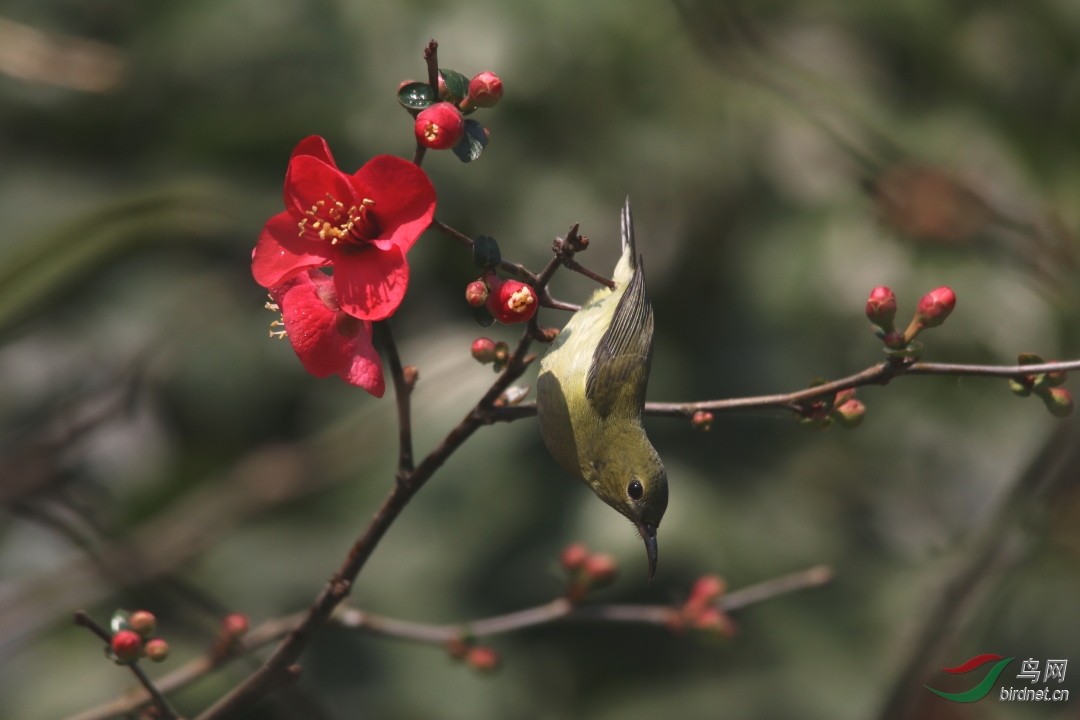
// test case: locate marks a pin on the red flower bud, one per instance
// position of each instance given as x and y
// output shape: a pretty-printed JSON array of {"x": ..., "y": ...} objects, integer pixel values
[
  {"x": 715, "y": 622},
  {"x": 143, "y": 623},
  {"x": 234, "y": 625},
  {"x": 157, "y": 650},
  {"x": 850, "y": 414},
  {"x": 894, "y": 340},
  {"x": 843, "y": 396},
  {"x": 512, "y": 302},
  {"x": 485, "y": 90},
  {"x": 935, "y": 306},
  {"x": 126, "y": 646},
  {"x": 482, "y": 659},
  {"x": 1059, "y": 402},
  {"x": 476, "y": 293},
  {"x": 702, "y": 420},
  {"x": 881, "y": 307},
  {"x": 706, "y": 589},
  {"x": 483, "y": 350},
  {"x": 439, "y": 126},
  {"x": 600, "y": 569},
  {"x": 574, "y": 556}
]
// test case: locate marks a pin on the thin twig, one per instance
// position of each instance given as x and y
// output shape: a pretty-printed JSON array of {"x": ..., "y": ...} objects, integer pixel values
[
  {"x": 558, "y": 610},
  {"x": 167, "y": 711},
  {"x": 402, "y": 393},
  {"x": 880, "y": 374}
]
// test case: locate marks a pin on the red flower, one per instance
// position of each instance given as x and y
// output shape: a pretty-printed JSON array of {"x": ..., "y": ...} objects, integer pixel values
[
  {"x": 328, "y": 340},
  {"x": 361, "y": 224}
]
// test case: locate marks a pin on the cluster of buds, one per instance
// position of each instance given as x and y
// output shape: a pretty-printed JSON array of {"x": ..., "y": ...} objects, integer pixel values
[
  {"x": 587, "y": 571},
  {"x": 934, "y": 307},
  {"x": 841, "y": 408},
  {"x": 700, "y": 611},
  {"x": 440, "y": 122},
  {"x": 480, "y": 658},
  {"x": 508, "y": 301},
  {"x": 702, "y": 420},
  {"x": 131, "y": 638},
  {"x": 231, "y": 631},
  {"x": 1046, "y": 386},
  {"x": 486, "y": 350}
]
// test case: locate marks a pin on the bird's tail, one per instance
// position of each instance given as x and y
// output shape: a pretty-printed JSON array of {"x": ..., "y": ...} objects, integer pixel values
[{"x": 629, "y": 261}]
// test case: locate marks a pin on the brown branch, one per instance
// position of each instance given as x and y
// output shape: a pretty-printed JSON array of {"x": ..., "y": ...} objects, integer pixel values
[
  {"x": 558, "y": 610},
  {"x": 880, "y": 374},
  {"x": 431, "y": 59},
  {"x": 166, "y": 710},
  {"x": 402, "y": 393}
]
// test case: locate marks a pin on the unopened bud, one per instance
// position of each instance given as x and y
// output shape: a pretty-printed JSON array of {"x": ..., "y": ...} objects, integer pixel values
[
  {"x": 894, "y": 340},
  {"x": 476, "y": 293},
  {"x": 574, "y": 556},
  {"x": 234, "y": 625},
  {"x": 881, "y": 307},
  {"x": 482, "y": 659},
  {"x": 715, "y": 622},
  {"x": 702, "y": 420},
  {"x": 704, "y": 592},
  {"x": 600, "y": 569},
  {"x": 126, "y": 646},
  {"x": 843, "y": 396},
  {"x": 1059, "y": 402},
  {"x": 143, "y": 623},
  {"x": 411, "y": 374},
  {"x": 935, "y": 306},
  {"x": 157, "y": 650},
  {"x": 485, "y": 90},
  {"x": 483, "y": 350},
  {"x": 439, "y": 126},
  {"x": 850, "y": 414}
]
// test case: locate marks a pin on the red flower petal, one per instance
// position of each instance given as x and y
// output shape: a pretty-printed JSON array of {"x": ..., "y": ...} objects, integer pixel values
[
  {"x": 316, "y": 147},
  {"x": 281, "y": 253},
  {"x": 310, "y": 181},
  {"x": 315, "y": 334},
  {"x": 370, "y": 282},
  {"x": 404, "y": 199}
]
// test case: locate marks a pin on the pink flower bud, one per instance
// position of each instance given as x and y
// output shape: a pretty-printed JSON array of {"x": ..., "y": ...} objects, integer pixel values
[
  {"x": 881, "y": 307},
  {"x": 702, "y": 420},
  {"x": 843, "y": 396},
  {"x": 476, "y": 293},
  {"x": 483, "y": 350},
  {"x": 485, "y": 90},
  {"x": 850, "y": 414},
  {"x": 512, "y": 302},
  {"x": 126, "y": 646},
  {"x": 894, "y": 340},
  {"x": 157, "y": 650},
  {"x": 600, "y": 569},
  {"x": 706, "y": 589},
  {"x": 143, "y": 623},
  {"x": 715, "y": 622},
  {"x": 935, "y": 306},
  {"x": 439, "y": 126},
  {"x": 1059, "y": 402},
  {"x": 482, "y": 659},
  {"x": 574, "y": 556},
  {"x": 234, "y": 625}
]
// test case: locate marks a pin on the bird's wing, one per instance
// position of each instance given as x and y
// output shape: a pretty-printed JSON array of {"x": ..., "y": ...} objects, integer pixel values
[{"x": 619, "y": 372}]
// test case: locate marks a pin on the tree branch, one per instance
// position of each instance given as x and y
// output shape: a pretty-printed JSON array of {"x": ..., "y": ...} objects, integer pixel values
[{"x": 402, "y": 394}]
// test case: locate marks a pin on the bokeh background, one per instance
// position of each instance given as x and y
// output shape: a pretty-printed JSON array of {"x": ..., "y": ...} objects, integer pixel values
[{"x": 157, "y": 450}]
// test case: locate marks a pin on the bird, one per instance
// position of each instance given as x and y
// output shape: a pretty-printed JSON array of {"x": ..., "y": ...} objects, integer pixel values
[{"x": 591, "y": 395}]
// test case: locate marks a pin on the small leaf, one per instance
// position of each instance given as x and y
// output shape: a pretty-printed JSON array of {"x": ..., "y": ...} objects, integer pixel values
[
  {"x": 416, "y": 96},
  {"x": 1019, "y": 388},
  {"x": 472, "y": 143},
  {"x": 482, "y": 317},
  {"x": 457, "y": 85},
  {"x": 121, "y": 620},
  {"x": 1029, "y": 359},
  {"x": 486, "y": 252}
]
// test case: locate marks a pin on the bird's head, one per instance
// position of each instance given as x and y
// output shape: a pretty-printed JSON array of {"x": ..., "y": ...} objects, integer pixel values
[{"x": 634, "y": 482}]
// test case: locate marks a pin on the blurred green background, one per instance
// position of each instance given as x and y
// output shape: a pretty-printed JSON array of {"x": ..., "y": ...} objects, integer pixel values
[{"x": 783, "y": 158}]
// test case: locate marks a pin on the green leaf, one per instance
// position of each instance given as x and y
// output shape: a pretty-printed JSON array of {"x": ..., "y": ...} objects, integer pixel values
[
  {"x": 416, "y": 96},
  {"x": 457, "y": 85},
  {"x": 472, "y": 143},
  {"x": 486, "y": 252},
  {"x": 121, "y": 620},
  {"x": 482, "y": 317},
  {"x": 1029, "y": 359}
]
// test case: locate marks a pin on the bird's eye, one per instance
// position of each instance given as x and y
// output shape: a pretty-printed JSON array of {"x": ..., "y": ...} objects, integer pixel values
[{"x": 634, "y": 490}]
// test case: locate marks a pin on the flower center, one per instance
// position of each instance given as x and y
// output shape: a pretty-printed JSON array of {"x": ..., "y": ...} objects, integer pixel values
[
  {"x": 330, "y": 220},
  {"x": 431, "y": 132},
  {"x": 520, "y": 301}
]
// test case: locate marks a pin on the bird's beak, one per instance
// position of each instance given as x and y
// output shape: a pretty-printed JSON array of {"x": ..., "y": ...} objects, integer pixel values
[{"x": 648, "y": 534}]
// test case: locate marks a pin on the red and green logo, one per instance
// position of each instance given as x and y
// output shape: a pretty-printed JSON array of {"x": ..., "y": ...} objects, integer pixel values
[{"x": 979, "y": 691}]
